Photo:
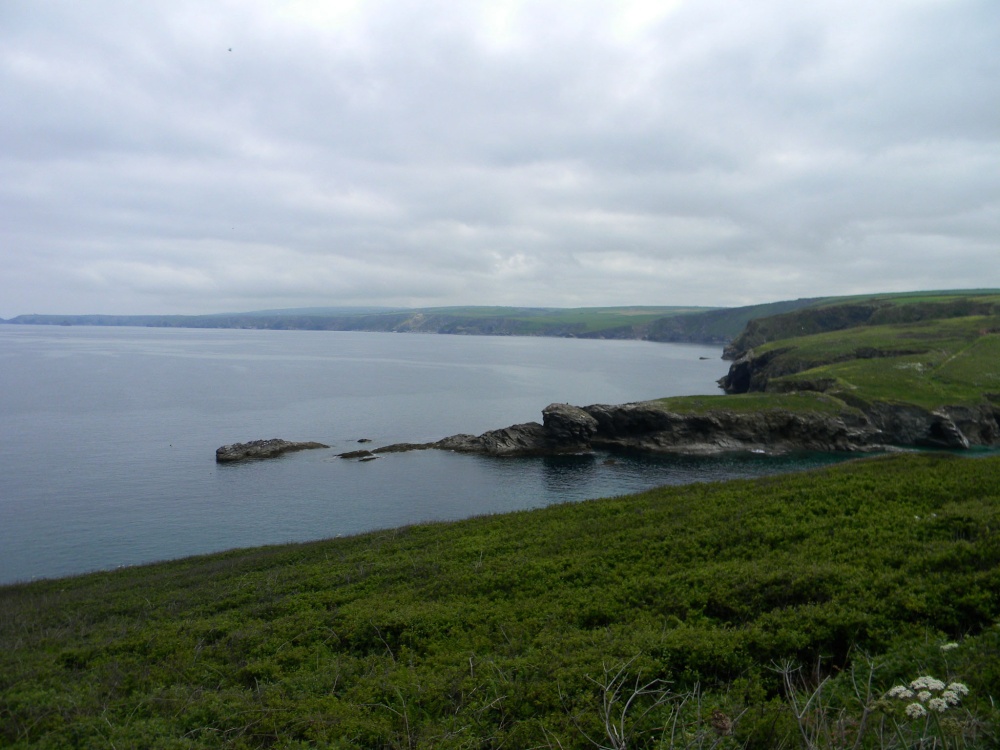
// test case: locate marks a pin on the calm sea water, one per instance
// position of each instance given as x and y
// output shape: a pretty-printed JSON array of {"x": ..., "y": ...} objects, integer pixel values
[{"x": 108, "y": 435}]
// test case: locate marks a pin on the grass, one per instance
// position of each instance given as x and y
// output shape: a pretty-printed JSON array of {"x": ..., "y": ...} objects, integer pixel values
[
  {"x": 549, "y": 321},
  {"x": 929, "y": 363},
  {"x": 502, "y": 631},
  {"x": 753, "y": 403}
]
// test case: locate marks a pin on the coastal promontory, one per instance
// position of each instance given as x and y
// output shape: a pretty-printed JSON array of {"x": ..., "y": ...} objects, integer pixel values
[{"x": 897, "y": 371}]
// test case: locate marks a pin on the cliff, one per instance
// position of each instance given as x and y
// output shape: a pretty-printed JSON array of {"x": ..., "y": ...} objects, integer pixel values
[
  {"x": 653, "y": 426},
  {"x": 905, "y": 371}
]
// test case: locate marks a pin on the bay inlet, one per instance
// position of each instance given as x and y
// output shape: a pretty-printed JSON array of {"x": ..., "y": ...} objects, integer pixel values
[{"x": 107, "y": 448}]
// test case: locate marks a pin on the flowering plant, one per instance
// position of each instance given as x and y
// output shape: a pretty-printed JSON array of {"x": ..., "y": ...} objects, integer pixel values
[
  {"x": 927, "y": 698},
  {"x": 931, "y": 695}
]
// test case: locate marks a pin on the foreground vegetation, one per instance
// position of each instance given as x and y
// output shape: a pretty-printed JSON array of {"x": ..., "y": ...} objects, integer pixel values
[{"x": 770, "y": 613}]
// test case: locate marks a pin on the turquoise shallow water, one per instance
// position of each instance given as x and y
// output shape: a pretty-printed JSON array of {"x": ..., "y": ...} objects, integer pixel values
[{"x": 109, "y": 434}]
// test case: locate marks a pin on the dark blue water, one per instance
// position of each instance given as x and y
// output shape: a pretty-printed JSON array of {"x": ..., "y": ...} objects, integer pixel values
[{"x": 108, "y": 435}]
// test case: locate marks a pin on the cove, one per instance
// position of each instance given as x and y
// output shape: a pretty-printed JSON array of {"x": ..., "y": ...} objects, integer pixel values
[{"x": 108, "y": 440}]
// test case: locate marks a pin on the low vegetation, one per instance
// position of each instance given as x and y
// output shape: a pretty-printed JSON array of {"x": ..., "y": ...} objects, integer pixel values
[{"x": 779, "y": 612}]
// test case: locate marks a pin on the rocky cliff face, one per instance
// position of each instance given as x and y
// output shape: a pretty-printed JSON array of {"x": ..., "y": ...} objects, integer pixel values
[
  {"x": 649, "y": 426},
  {"x": 652, "y": 426},
  {"x": 898, "y": 424}
]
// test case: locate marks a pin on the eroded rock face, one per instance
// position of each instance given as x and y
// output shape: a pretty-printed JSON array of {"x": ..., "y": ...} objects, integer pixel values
[
  {"x": 568, "y": 426},
  {"x": 980, "y": 425},
  {"x": 528, "y": 439},
  {"x": 261, "y": 449},
  {"x": 649, "y": 426}
]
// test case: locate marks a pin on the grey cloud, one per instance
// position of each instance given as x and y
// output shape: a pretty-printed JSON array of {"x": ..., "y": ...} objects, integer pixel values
[{"x": 538, "y": 153}]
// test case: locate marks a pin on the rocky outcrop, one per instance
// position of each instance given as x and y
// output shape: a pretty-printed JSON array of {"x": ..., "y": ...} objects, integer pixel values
[
  {"x": 261, "y": 449},
  {"x": 527, "y": 439},
  {"x": 564, "y": 429},
  {"x": 652, "y": 427},
  {"x": 356, "y": 454},
  {"x": 649, "y": 426},
  {"x": 950, "y": 427}
]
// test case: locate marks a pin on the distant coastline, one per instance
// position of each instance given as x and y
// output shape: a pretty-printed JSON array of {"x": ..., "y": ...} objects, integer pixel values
[{"x": 700, "y": 325}]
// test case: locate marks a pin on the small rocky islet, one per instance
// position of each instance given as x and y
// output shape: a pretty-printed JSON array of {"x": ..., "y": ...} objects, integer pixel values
[{"x": 257, "y": 449}]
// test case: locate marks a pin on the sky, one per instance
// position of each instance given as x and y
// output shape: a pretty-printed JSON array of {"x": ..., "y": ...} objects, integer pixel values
[{"x": 176, "y": 157}]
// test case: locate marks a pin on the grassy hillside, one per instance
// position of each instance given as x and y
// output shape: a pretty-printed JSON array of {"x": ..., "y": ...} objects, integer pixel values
[
  {"x": 839, "y": 313},
  {"x": 534, "y": 629},
  {"x": 930, "y": 352}
]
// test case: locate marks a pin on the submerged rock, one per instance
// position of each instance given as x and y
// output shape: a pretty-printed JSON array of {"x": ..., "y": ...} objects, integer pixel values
[
  {"x": 261, "y": 449},
  {"x": 362, "y": 454}
]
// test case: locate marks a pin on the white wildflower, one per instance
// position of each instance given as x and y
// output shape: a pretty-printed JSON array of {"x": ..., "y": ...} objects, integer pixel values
[
  {"x": 900, "y": 691},
  {"x": 949, "y": 646},
  {"x": 958, "y": 688},
  {"x": 927, "y": 683},
  {"x": 950, "y": 697},
  {"x": 924, "y": 695},
  {"x": 915, "y": 711},
  {"x": 937, "y": 704}
]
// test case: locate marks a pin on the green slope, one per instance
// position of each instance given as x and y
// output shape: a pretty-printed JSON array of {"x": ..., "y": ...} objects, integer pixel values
[{"x": 499, "y": 632}]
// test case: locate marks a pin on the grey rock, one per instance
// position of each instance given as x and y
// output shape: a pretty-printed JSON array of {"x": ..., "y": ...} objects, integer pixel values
[
  {"x": 527, "y": 439},
  {"x": 649, "y": 426},
  {"x": 568, "y": 426},
  {"x": 355, "y": 454},
  {"x": 403, "y": 447},
  {"x": 261, "y": 449}
]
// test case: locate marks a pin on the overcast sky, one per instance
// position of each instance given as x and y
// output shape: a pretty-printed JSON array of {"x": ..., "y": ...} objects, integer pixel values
[{"x": 195, "y": 157}]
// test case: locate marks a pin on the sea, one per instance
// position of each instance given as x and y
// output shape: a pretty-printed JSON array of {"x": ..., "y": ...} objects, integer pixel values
[{"x": 108, "y": 435}]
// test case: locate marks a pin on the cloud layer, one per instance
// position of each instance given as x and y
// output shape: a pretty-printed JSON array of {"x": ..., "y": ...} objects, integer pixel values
[{"x": 191, "y": 157}]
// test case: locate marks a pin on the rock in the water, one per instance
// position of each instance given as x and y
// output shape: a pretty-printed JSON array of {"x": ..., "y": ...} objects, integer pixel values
[
  {"x": 362, "y": 454},
  {"x": 568, "y": 427},
  {"x": 261, "y": 449},
  {"x": 527, "y": 439}
]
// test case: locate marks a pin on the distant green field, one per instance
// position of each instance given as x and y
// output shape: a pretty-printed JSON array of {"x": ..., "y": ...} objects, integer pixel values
[{"x": 581, "y": 319}]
